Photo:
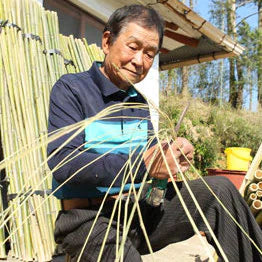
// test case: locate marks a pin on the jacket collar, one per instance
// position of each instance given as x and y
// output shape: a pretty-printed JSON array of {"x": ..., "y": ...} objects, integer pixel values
[{"x": 106, "y": 87}]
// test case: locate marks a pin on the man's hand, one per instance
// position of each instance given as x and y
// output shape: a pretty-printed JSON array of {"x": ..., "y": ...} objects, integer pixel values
[{"x": 158, "y": 168}]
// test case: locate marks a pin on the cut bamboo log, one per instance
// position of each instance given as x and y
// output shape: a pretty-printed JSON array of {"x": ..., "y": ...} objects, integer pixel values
[
  {"x": 256, "y": 207},
  {"x": 258, "y": 176},
  {"x": 251, "y": 198},
  {"x": 259, "y": 218},
  {"x": 252, "y": 188},
  {"x": 259, "y": 194}
]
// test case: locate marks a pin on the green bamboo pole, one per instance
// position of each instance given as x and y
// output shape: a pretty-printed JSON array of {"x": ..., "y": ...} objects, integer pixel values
[
  {"x": 24, "y": 107},
  {"x": 64, "y": 47},
  {"x": 23, "y": 242},
  {"x": 83, "y": 54},
  {"x": 2, "y": 124},
  {"x": 24, "y": 103},
  {"x": 2, "y": 232},
  {"x": 74, "y": 54}
]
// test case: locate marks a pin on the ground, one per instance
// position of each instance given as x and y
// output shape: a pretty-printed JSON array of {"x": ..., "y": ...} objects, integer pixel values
[{"x": 190, "y": 250}]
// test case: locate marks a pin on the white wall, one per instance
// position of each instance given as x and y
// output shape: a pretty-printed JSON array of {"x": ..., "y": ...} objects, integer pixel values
[
  {"x": 40, "y": 1},
  {"x": 150, "y": 88}
]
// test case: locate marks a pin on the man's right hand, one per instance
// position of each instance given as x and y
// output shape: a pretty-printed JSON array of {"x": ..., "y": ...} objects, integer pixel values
[{"x": 158, "y": 168}]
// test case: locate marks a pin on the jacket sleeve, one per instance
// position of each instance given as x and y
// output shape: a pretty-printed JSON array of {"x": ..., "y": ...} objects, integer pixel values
[{"x": 65, "y": 109}]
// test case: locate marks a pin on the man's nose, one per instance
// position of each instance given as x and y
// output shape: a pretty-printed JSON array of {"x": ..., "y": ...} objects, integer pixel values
[{"x": 138, "y": 58}]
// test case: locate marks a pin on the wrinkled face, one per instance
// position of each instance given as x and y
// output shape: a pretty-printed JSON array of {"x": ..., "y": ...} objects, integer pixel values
[{"x": 132, "y": 52}]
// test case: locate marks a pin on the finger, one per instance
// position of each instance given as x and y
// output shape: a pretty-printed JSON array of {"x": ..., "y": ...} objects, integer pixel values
[
  {"x": 184, "y": 144},
  {"x": 179, "y": 142},
  {"x": 175, "y": 151},
  {"x": 186, "y": 158},
  {"x": 184, "y": 168}
]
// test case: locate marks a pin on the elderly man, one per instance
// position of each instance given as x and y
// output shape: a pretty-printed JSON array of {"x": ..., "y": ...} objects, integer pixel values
[{"x": 131, "y": 39}]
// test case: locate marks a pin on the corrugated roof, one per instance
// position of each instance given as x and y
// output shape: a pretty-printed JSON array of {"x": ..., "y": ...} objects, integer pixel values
[{"x": 188, "y": 39}]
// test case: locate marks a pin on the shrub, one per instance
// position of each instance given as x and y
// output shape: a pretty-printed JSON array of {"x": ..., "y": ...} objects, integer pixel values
[{"x": 211, "y": 129}]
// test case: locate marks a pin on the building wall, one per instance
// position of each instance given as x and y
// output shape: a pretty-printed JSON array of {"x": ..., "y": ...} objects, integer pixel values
[{"x": 150, "y": 87}]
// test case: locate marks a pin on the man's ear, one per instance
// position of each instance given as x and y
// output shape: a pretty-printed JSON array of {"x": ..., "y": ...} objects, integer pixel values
[{"x": 106, "y": 42}]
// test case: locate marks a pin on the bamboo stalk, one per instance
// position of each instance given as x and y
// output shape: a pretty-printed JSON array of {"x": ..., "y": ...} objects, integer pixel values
[{"x": 251, "y": 171}]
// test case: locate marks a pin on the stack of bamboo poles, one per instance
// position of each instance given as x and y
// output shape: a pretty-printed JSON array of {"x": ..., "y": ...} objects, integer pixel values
[
  {"x": 253, "y": 196},
  {"x": 32, "y": 57}
]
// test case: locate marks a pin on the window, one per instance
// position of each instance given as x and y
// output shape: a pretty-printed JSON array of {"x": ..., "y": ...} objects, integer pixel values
[{"x": 74, "y": 21}]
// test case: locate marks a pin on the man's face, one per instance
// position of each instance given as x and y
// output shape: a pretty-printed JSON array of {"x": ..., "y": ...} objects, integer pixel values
[{"x": 132, "y": 52}]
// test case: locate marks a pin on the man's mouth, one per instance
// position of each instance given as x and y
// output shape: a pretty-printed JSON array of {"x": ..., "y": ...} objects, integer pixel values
[{"x": 133, "y": 72}]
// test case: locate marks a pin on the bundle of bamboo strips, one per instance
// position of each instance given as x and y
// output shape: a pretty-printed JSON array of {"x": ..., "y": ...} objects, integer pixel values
[
  {"x": 253, "y": 196},
  {"x": 32, "y": 57}
]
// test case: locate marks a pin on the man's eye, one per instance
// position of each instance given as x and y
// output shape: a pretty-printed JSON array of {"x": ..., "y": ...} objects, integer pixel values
[
  {"x": 132, "y": 47},
  {"x": 149, "y": 55}
]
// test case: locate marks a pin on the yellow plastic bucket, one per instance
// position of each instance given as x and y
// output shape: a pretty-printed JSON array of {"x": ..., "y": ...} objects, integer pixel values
[{"x": 238, "y": 158}]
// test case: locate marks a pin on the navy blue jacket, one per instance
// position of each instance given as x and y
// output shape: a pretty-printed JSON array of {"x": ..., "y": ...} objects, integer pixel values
[{"x": 76, "y": 97}]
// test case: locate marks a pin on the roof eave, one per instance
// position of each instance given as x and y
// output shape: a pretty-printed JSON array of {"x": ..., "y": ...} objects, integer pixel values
[{"x": 196, "y": 60}]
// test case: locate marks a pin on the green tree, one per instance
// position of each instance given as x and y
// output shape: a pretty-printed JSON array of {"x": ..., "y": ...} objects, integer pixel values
[
  {"x": 259, "y": 52},
  {"x": 248, "y": 61}
]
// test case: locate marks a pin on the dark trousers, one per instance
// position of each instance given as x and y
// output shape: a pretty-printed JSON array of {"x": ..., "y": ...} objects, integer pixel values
[{"x": 165, "y": 225}]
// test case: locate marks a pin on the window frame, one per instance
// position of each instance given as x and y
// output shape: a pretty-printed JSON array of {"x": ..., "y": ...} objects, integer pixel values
[{"x": 78, "y": 13}]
